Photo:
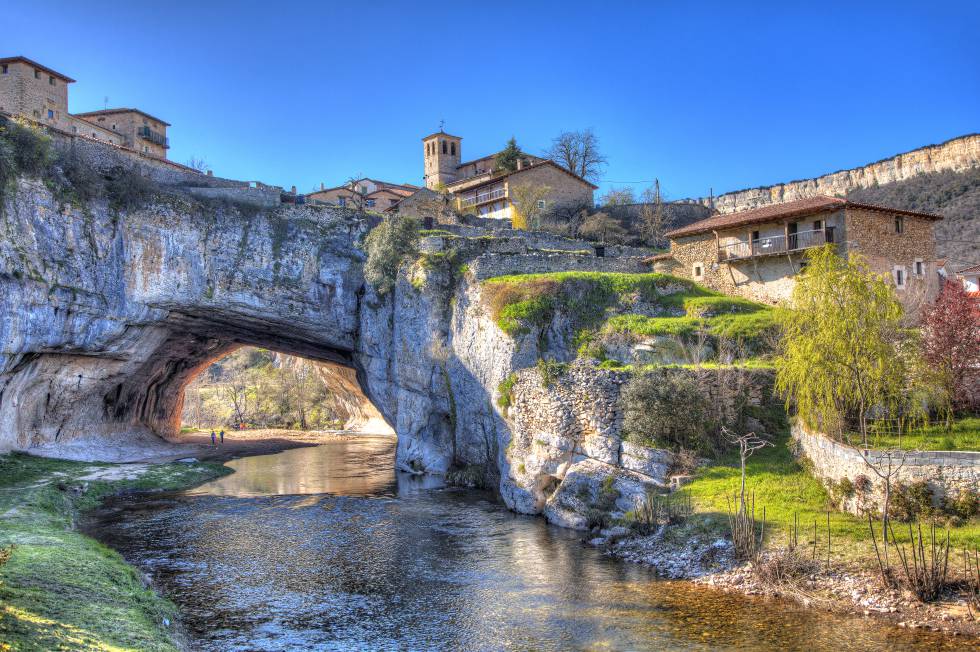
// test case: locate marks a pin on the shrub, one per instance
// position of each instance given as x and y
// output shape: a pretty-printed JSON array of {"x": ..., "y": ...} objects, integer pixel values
[
  {"x": 659, "y": 509},
  {"x": 127, "y": 189},
  {"x": 862, "y": 483},
  {"x": 24, "y": 150},
  {"x": 505, "y": 388},
  {"x": 388, "y": 246},
  {"x": 668, "y": 410},
  {"x": 550, "y": 371},
  {"x": 85, "y": 181},
  {"x": 909, "y": 501},
  {"x": 963, "y": 506}
]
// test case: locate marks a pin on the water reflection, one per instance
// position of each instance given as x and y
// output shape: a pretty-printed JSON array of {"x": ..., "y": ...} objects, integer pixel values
[
  {"x": 355, "y": 467},
  {"x": 377, "y": 564}
]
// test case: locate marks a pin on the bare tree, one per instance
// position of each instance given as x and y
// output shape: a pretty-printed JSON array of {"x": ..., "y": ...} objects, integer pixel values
[
  {"x": 747, "y": 444},
  {"x": 198, "y": 164},
  {"x": 529, "y": 203},
  {"x": 356, "y": 198},
  {"x": 656, "y": 221},
  {"x": 578, "y": 151},
  {"x": 618, "y": 197},
  {"x": 887, "y": 465},
  {"x": 603, "y": 228}
]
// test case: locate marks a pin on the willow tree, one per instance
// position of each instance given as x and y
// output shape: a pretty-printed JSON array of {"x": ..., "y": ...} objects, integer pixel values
[{"x": 843, "y": 356}]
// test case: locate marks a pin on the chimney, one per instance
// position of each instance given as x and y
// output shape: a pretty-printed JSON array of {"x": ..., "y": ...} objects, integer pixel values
[
  {"x": 210, "y": 173},
  {"x": 292, "y": 189},
  {"x": 323, "y": 186}
]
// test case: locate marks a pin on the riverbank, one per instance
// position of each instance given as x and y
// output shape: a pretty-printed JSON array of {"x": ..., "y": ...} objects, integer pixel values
[
  {"x": 797, "y": 505},
  {"x": 60, "y": 589},
  {"x": 194, "y": 443}
]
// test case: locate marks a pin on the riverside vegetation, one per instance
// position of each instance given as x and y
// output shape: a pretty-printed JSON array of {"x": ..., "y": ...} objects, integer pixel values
[{"x": 60, "y": 589}]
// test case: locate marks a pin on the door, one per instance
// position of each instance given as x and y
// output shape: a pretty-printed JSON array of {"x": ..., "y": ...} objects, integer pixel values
[{"x": 791, "y": 229}]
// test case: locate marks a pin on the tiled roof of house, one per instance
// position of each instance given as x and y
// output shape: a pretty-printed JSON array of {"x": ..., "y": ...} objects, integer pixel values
[
  {"x": 122, "y": 110},
  {"x": 972, "y": 269},
  {"x": 774, "y": 212},
  {"x": 493, "y": 177},
  {"x": 31, "y": 62}
]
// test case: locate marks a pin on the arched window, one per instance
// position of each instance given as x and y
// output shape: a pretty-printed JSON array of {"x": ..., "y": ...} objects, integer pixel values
[
  {"x": 452, "y": 146},
  {"x": 443, "y": 147}
]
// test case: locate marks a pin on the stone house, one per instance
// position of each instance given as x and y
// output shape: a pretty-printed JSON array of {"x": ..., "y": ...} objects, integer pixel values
[
  {"x": 479, "y": 188},
  {"x": 370, "y": 193},
  {"x": 140, "y": 131},
  {"x": 757, "y": 253},
  {"x": 38, "y": 93}
]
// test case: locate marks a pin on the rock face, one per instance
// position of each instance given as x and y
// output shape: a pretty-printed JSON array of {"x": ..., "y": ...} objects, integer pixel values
[
  {"x": 106, "y": 315},
  {"x": 955, "y": 155}
]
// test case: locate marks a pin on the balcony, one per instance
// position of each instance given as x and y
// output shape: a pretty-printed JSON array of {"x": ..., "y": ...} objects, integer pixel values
[
  {"x": 483, "y": 198},
  {"x": 154, "y": 137},
  {"x": 775, "y": 245}
]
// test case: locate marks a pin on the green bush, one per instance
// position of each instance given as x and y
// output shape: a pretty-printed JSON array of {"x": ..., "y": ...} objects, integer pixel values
[
  {"x": 668, "y": 411},
  {"x": 910, "y": 501},
  {"x": 505, "y": 388},
  {"x": 389, "y": 245},
  {"x": 963, "y": 506},
  {"x": 550, "y": 371},
  {"x": 24, "y": 150}
]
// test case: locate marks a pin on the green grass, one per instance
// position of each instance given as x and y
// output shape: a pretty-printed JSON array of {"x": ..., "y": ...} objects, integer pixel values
[
  {"x": 61, "y": 589},
  {"x": 600, "y": 302},
  {"x": 963, "y": 436},
  {"x": 785, "y": 489}
]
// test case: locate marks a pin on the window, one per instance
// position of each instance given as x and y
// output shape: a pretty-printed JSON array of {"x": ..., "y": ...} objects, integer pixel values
[
  {"x": 817, "y": 225},
  {"x": 51, "y": 80},
  {"x": 37, "y": 74},
  {"x": 443, "y": 147},
  {"x": 755, "y": 236},
  {"x": 452, "y": 147},
  {"x": 37, "y": 114},
  {"x": 341, "y": 201},
  {"x": 698, "y": 270},
  {"x": 899, "y": 274},
  {"x": 4, "y": 69},
  {"x": 541, "y": 204},
  {"x": 50, "y": 114},
  {"x": 899, "y": 224},
  {"x": 920, "y": 268}
]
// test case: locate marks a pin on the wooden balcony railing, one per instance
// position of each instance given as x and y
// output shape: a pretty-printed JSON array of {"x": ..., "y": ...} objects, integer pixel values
[
  {"x": 777, "y": 244},
  {"x": 153, "y": 136},
  {"x": 484, "y": 198}
]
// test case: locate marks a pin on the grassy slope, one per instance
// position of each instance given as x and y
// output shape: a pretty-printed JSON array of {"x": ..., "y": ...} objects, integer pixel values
[
  {"x": 598, "y": 301},
  {"x": 786, "y": 489},
  {"x": 61, "y": 589},
  {"x": 963, "y": 436}
]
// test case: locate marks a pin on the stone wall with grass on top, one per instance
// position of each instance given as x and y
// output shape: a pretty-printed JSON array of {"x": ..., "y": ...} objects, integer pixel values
[
  {"x": 946, "y": 472},
  {"x": 488, "y": 266}
]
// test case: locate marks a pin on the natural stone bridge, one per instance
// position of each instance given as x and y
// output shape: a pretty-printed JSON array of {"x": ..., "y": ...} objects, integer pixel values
[{"x": 106, "y": 315}]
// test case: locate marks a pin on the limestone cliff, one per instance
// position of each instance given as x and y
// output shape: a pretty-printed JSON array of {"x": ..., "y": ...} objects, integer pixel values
[
  {"x": 106, "y": 314},
  {"x": 956, "y": 155}
]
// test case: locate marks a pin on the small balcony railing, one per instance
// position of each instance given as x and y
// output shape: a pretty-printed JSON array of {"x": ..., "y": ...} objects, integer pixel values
[
  {"x": 483, "y": 198},
  {"x": 777, "y": 244},
  {"x": 153, "y": 136}
]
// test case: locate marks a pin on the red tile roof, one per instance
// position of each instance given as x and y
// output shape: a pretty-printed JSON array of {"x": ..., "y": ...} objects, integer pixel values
[
  {"x": 972, "y": 269},
  {"x": 775, "y": 212}
]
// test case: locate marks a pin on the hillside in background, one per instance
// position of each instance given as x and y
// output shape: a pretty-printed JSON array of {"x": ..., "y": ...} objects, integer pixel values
[{"x": 954, "y": 195}]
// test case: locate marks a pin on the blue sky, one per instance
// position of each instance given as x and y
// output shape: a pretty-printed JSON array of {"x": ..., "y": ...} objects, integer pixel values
[{"x": 698, "y": 94}]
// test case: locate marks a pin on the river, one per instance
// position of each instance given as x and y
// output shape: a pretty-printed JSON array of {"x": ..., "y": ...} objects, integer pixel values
[{"x": 328, "y": 548}]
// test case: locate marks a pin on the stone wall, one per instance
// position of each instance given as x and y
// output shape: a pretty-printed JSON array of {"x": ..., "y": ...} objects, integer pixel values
[
  {"x": 490, "y": 265},
  {"x": 947, "y": 472},
  {"x": 957, "y": 155},
  {"x": 571, "y": 429}
]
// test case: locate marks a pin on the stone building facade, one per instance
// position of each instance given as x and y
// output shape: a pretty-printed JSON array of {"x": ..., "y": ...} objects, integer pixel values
[
  {"x": 33, "y": 91},
  {"x": 480, "y": 189},
  {"x": 367, "y": 193},
  {"x": 140, "y": 131},
  {"x": 758, "y": 253}
]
